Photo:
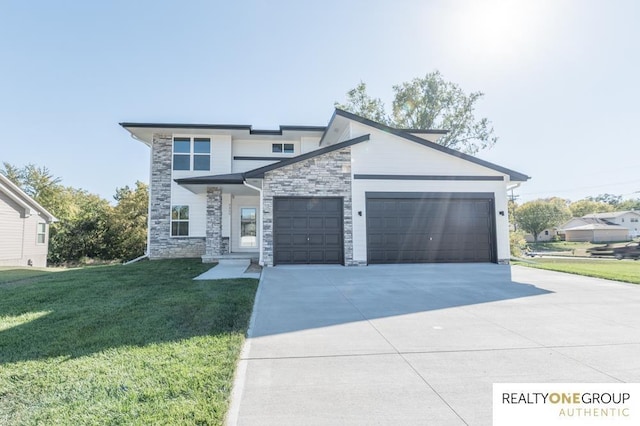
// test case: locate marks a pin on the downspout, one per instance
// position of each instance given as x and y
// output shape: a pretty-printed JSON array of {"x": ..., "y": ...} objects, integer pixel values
[{"x": 248, "y": 185}]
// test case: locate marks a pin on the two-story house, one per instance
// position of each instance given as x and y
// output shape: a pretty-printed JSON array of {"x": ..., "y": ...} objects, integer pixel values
[
  {"x": 629, "y": 219},
  {"x": 354, "y": 192}
]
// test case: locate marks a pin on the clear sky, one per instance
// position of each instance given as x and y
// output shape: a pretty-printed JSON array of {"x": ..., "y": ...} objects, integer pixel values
[{"x": 560, "y": 77}]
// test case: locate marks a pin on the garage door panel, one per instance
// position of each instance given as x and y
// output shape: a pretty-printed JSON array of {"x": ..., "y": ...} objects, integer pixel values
[
  {"x": 308, "y": 230},
  {"x": 401, "y": 230}
]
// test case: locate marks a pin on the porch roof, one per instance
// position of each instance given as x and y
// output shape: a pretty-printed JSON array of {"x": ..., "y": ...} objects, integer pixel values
[{"x": 230, "y": 178}]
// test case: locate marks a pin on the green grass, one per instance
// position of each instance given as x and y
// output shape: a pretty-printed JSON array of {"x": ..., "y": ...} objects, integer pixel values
[
  {"x": 138, "y": 344},
  {"x": 569, "y": 248},
  {"x": 618, "y": 270},
  {"x": 13, "y": 274}
]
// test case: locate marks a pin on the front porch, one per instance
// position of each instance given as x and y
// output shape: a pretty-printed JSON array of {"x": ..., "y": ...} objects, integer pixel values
[{"x": 232, "y": 215}]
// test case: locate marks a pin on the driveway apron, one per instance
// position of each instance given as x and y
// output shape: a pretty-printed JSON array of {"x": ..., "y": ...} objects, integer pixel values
[{"x": 423, "y": 344}]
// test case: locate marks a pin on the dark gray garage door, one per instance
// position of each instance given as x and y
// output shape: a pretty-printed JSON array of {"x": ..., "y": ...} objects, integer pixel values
[
  {"x": 307, "y": 230},
  {"x": 419, "y": 228}
]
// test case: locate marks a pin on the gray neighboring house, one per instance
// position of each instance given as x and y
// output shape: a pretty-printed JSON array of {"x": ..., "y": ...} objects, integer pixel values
[
  {"x": 591, "y": 228},
  {"x": 354, "y": 192},
  {"x": 629, "y": 219},
  {"x": 24, "y": 227}
]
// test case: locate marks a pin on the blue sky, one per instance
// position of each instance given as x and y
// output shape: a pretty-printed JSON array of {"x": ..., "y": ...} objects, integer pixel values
[{"x": 560, "y": 77}]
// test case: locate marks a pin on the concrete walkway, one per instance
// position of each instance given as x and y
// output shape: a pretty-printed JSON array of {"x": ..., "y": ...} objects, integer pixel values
[
  {"x": 229, "y": 268},
  {"x": 423, "y": 344}
]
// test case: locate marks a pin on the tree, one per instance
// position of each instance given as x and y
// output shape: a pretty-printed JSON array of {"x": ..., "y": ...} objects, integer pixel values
[
  {"x": 429, "y": 103},
  {"x": 611, "y": 199},
  {"x": 584, "y": 207},
  {"x": 536, "y": 216},
  {"x": 631, "y": 204},
  {"x": 128, "y": 222}
]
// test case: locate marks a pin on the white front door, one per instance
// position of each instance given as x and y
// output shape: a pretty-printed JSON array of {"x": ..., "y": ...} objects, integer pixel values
[
  {"x": 245, "y": 219},
  {"x": 248, "y": 227}
]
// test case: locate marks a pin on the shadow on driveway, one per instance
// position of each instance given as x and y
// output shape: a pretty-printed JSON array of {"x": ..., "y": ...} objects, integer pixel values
[{"x": 294, "y": 298}]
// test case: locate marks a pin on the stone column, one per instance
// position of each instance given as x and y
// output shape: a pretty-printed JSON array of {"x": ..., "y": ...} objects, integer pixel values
[{"x": 213, "y": 243}]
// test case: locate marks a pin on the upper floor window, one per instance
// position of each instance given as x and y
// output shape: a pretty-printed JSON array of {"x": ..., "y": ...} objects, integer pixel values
[
  {"x": 180, "y": 221},
  {"x": 41, "y": 233},
  {"x": 287, "y": 148},
  {"x": 634, "y": 219},
  {"x": 191, "y": 153}
]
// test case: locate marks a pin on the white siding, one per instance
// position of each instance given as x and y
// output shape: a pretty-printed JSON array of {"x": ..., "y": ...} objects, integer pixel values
[
  {"x": 240, "y": 166},
  {"x": 226, "y": 215},
  {"x": 18, "y": 236},
  {"x": 386, "y": 154},
  {"x": 11, "y": 229},
  {"x": 197, "y": 208},
  {"x": 308, "y": 144},
  {"x": 221, "y": 155},
  {"x": 262, "y": 148}
]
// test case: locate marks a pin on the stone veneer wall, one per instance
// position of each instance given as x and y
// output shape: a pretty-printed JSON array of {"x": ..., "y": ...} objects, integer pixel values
[
  {"x": 213, "y": 243},
  {"x": 327, "y": 175},
  {"x": 161, "y": 244}
]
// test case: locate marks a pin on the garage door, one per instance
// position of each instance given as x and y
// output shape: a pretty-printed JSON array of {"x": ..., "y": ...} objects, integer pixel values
[
  {"x": 419, "y": 228},
  {"x": 308, "y": 230}
]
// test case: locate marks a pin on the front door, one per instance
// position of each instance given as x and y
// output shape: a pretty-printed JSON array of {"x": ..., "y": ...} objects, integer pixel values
[{"x": 248, "y": 227}]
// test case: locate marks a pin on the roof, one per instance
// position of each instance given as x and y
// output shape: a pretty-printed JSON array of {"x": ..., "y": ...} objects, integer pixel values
[
  {"x": 596, "y": 227},
  {"x": 144, "y": 131},
  {"x": 609, "y": 215},
  {"x": 258, "y": 173},
  {"x": 23, "y": 199},
  {"x": 513, "y": 175},
  {"x": 231, "y": 178}
]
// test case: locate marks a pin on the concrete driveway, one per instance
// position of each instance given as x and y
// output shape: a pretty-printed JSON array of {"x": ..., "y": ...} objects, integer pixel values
[{"x": 423, "y": 344}]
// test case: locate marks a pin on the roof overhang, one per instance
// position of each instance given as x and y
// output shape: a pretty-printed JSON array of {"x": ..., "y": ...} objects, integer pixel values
[
  {"x": 22, "y": 199},
  {"x": 144, "y": 132}
]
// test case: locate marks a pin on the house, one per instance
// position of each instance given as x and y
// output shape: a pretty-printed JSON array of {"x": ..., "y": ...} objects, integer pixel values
[
  {"x": 24, "y": 228},
  {"x": 354, "y": 192},
  {"x": 597, "y": 233},
  {"x": 544, "y": 236},
  {"x": 628, "y": 219}
]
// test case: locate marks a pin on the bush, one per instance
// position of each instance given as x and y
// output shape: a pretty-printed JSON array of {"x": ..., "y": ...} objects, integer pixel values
[{"x": 517, "y": 243}]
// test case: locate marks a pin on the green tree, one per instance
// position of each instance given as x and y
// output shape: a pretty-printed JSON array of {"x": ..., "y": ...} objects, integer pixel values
[
  {"x": 536, "y": 216},
  {"x": 429, "y": 102},
  {"x": 631, "y": 204},
  {"x": 128, "y": 222},
  {"x": 611, "y": 199},
  {"x": 586, "y": 206}
]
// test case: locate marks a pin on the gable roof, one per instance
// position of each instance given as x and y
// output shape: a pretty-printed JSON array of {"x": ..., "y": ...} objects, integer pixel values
[
  {"x": 609, "y": 215},
  {"x": 597, "y": 226},
  {"x": 23, "y": 200},
  {"x": 513, "y": 175}
]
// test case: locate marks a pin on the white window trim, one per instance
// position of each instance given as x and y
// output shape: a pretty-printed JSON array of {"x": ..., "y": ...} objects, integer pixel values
[
  {"x": 43, "y": 233},
  {"x": 192, "y": 152},
  {"x": 171, "y": 220}
]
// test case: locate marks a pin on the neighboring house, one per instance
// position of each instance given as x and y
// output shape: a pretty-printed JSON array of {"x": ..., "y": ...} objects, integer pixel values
[
  {"x": 544, "y": 236},
  {"x": 24, "y": 228},
  {"x": 354, "y": 192},
  {"x": 627, "y": 219},
  {"x": 597, "y": 233}
]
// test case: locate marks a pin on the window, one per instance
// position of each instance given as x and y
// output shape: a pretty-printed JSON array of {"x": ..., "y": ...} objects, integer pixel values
[
  {"x": 42, "y": 233},
  {"x": 248, "y": 227},
  {"x": 191, "y": 153},
  {"x": 180, "y": 221},
  {"x": 634, "y": 219},
  {"x": 546, "y": 232},
  {"x": 287, "y": 148}
]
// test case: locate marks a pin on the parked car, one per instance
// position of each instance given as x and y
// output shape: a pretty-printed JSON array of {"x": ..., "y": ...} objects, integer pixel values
[{"x": 628, "y": 251}]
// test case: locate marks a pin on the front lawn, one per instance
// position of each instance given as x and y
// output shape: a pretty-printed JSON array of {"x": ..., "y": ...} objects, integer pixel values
[
  {"x": 618, "y": 270},
  {"x": 136, "y": 344}
]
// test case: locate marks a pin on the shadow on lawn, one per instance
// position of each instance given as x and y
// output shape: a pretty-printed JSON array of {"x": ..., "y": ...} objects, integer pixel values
[{"x": 94, "y": 309}]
